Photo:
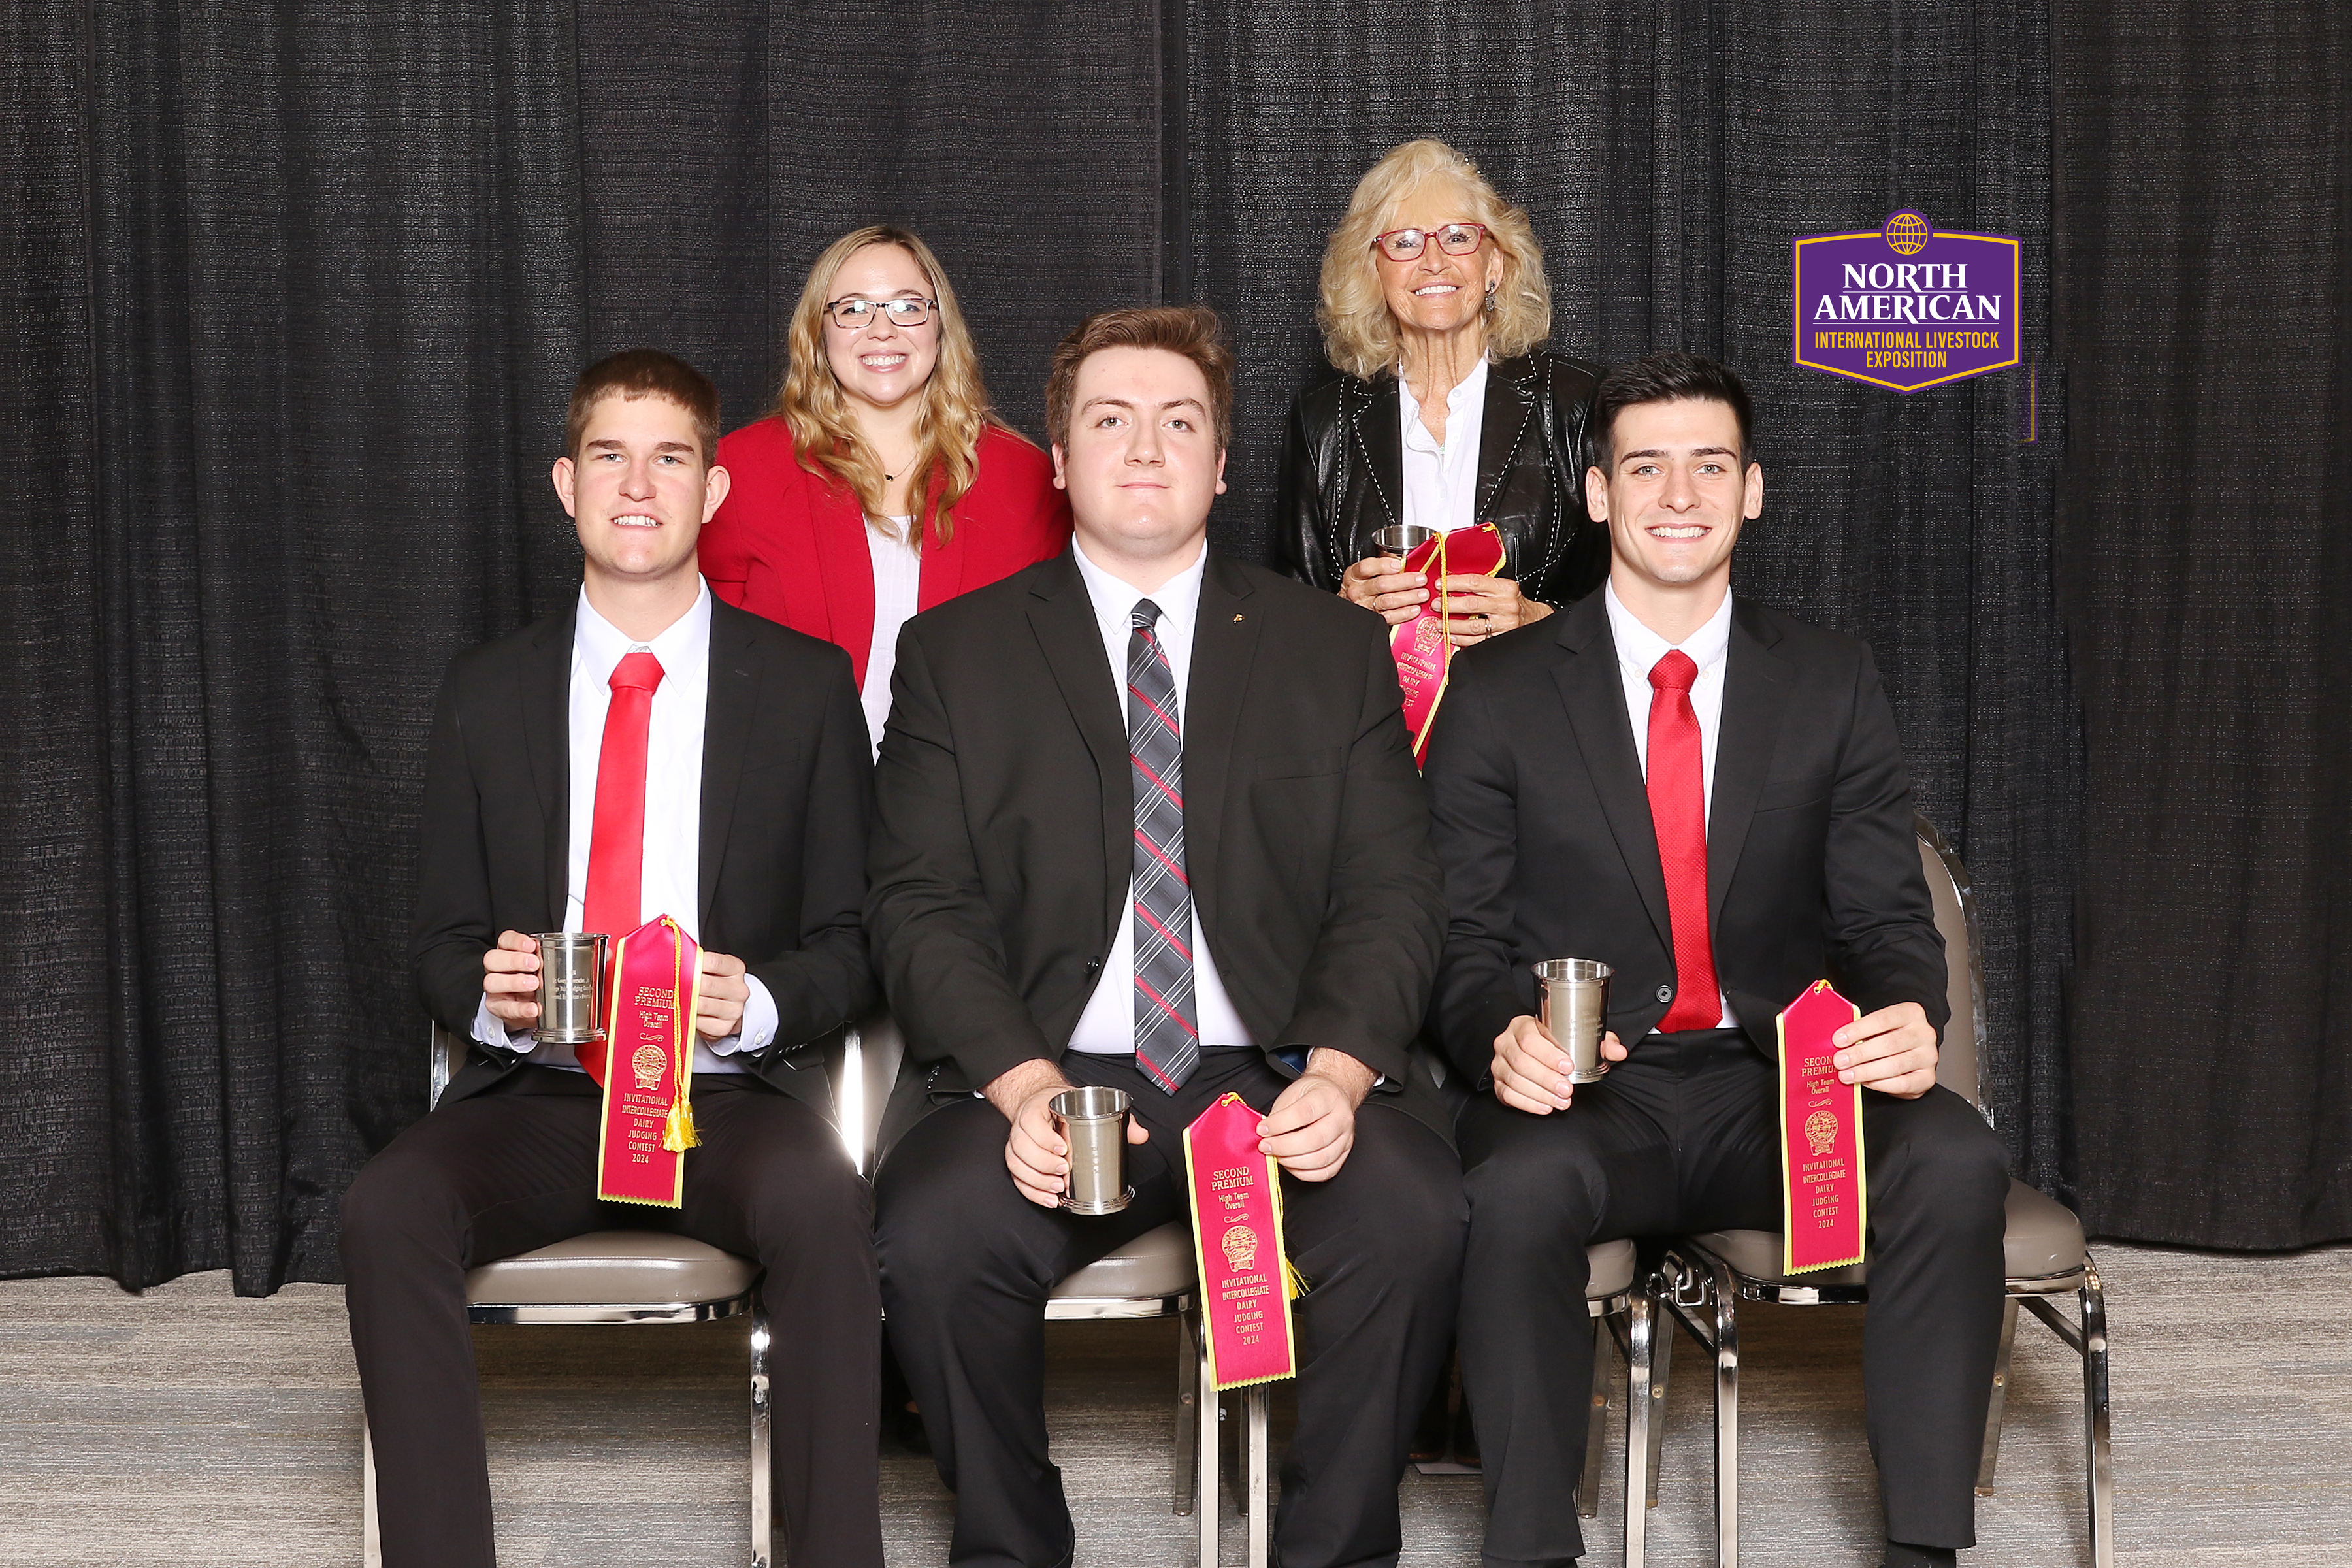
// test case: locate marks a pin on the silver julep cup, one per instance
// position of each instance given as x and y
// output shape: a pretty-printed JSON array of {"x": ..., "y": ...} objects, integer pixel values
[
  {"x": 1401, "y": 538},
  {"x": 1093, "y": 1122},
  {"x": 570, "y": 987},
  {"x": 1574, "y": 1011}
]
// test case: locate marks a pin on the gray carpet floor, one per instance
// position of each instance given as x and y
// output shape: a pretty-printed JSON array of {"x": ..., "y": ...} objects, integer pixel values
[{"x": 186, "y": 1427}]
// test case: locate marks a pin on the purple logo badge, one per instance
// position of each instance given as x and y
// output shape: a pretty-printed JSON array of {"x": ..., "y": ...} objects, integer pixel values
[{"x": 1905, "y": 306}]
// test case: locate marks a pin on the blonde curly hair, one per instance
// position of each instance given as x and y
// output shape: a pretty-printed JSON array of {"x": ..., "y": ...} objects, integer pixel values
[
  {"x": 1359, "y": 335},
  {"x": 955, "y": 400}
]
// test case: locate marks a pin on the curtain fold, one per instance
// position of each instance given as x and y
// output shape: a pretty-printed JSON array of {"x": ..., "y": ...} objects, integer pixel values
[
  {"x": 2206, "y": 564},
  {"x": 331, "y": 322},
  {"x": 60, "y": 965}
]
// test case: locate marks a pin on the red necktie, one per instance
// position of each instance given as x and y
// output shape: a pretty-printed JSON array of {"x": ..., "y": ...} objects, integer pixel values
[
  {"x": 1678, "y": 812},
  {"x": 616, "y": 843}
]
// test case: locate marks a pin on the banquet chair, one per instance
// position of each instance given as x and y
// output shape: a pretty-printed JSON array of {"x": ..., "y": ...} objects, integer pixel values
[
  {"x": 1622, "y": 1300},
  {"x": 1709, "y": 1275},
  {"x": 620, "y": 1277},
  {"x": 1150, "y": 1276}
]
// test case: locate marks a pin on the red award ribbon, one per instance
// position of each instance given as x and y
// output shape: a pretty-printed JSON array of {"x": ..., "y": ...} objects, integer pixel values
[
  {"x": 1423, "y": 656},
  {"x": 1825, "y": 1190},
  {"x": 1247, "y": 1281},
  {"x": 648, "y": 1121}
]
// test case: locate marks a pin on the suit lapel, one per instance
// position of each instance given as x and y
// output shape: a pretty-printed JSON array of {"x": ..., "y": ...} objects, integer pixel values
[
  {"x": 1755, "y": 694},
  {"x": 844, "y": 565},
  {"x": 1374, "y": 419},
  {"x": 731, "y": 700},
  {"x": 1224, "y": 649},
  {"x": 546, "y": 703},
  {"x": 1062, "y": 617},
  {"x": 1594, "y": 694},
  {"x": 1510, "y": 408}
]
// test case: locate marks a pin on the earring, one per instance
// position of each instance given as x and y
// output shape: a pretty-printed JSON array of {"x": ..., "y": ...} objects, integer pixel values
[{"x": 1490, "y": 299}]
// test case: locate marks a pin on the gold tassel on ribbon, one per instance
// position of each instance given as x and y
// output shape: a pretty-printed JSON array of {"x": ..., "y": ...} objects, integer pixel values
[{"x": 679, "y": 1134}]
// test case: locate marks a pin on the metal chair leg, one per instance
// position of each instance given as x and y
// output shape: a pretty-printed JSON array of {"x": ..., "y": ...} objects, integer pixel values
[
  {"x": 1205, "y": 1437},
  {"x": 1257, "y": 1460},
  {"x": 2097, "y": 1460},
  {"x": 1662, "y": 1356},
  {"x": 1185, "y": 1464},
  {"x": 1993, "y": 1407},
  {"x": 1596, "y": 1429},
  {"x": 763, "y": 1515},
  {"x": 1727, "y": 1418},
  {"x": 371, "y": 1540},
  {"x": 1641, "y": 1341},
  {"x": 1237, "y": 1450}
]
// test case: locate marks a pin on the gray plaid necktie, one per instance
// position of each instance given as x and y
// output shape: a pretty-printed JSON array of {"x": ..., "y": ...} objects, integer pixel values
[{"x": 1167, "y": 1039}]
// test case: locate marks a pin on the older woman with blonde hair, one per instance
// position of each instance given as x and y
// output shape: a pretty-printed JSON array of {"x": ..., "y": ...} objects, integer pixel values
[
  {"x": 882, "y": 482},
  {"x": 1447, "y": 411}
]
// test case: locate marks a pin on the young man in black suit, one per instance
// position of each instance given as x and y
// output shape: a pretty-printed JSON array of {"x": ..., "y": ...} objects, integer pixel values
[
  {"x": 1148, "y": 818},
  {"x": 1710, "y": 796},
  {"x": 648, "y": 751}
]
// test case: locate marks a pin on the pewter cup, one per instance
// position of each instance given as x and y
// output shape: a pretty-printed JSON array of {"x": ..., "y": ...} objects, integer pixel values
[
  {"x": 570, "y": 987},
  {"x": 1401, "y": 538},
  {"x": 1093, "y": 1121},
  {"x": 1574, "y": 1011}
]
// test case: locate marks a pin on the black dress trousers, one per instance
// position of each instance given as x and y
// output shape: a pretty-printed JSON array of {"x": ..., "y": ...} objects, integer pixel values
[
  {"x": 1683, "y": 1136},
  {"x": 513, "y": 1168},
  {"x": 967, "y": 1263}
]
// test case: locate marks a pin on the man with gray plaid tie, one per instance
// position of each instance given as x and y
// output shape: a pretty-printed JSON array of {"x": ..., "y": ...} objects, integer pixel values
[{"x": 1148, "y": 818}]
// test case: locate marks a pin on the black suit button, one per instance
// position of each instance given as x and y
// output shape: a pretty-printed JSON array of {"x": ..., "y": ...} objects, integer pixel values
[
  {"x": 1093, "y": 964},
  {"x": 1665, "y": 992}
]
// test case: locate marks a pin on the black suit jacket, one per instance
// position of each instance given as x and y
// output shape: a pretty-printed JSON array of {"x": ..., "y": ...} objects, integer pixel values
[
  {"x": 787, "y": 792},
  {"x": 1003, "y": 837},
  {"x": 1343, "y": 475},
  {"x": 1543, "y": 826}
]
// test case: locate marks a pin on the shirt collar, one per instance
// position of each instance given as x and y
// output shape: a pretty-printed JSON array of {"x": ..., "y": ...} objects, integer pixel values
[
  {"x": 682, "y": 647},
  {"x": 1639, "y": 647},
  {"x": 1179, "y": 598}
]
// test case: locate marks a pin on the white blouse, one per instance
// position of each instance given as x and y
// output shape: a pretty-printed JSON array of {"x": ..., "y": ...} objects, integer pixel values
[
  {"x": 1441, "y": 482},
  {"x": 898, "y": 580}
]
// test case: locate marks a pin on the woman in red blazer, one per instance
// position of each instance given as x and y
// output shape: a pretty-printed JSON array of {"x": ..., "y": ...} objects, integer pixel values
[{"x": 883, "y": 403}]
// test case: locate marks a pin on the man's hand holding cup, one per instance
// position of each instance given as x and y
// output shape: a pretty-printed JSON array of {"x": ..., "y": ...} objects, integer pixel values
[{"x": 1532, "y": 1073}]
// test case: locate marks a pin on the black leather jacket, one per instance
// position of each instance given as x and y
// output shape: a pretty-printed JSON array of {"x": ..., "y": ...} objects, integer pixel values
[{"x": 1343, "y": 466}]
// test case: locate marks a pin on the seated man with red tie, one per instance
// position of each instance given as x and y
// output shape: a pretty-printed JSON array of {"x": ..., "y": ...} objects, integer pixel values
[
  {"x": 1711, "y": 797},
  {"x": 648, "y": 751}
]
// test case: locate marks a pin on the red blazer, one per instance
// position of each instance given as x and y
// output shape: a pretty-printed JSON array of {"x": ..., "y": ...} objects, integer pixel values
[{"x": 791, "y": 546}]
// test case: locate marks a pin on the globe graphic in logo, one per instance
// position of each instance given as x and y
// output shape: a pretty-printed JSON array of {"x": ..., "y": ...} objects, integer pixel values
[{"x": 1907, "y": 234}]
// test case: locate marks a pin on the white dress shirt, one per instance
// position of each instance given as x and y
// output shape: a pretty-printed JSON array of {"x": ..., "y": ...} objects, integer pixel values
[
  {"x": 670, "y": 882},
  {"x": 1638, "y": 651},
  {"x": 897, "y": 583},
  {"x": 1441, "y": 482},
  {"x": 1108, "y": 1026}
]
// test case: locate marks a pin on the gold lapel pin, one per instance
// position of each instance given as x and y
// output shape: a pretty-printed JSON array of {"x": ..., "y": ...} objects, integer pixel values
[{"x": 1237, "y": 620}]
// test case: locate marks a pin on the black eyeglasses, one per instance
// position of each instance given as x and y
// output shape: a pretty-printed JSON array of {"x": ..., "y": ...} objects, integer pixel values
[
  {"x": 853, "y": 311},
  {"x": 1454, "y": 239}
]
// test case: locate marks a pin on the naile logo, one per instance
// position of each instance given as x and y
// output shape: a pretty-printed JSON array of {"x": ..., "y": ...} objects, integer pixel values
[{"x": 1905, "y": 306}]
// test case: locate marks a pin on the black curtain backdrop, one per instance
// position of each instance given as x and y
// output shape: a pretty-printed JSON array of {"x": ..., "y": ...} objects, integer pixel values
[
  {"x": 2205, "y": 550},
  {"x": 294, "y": 295}
]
